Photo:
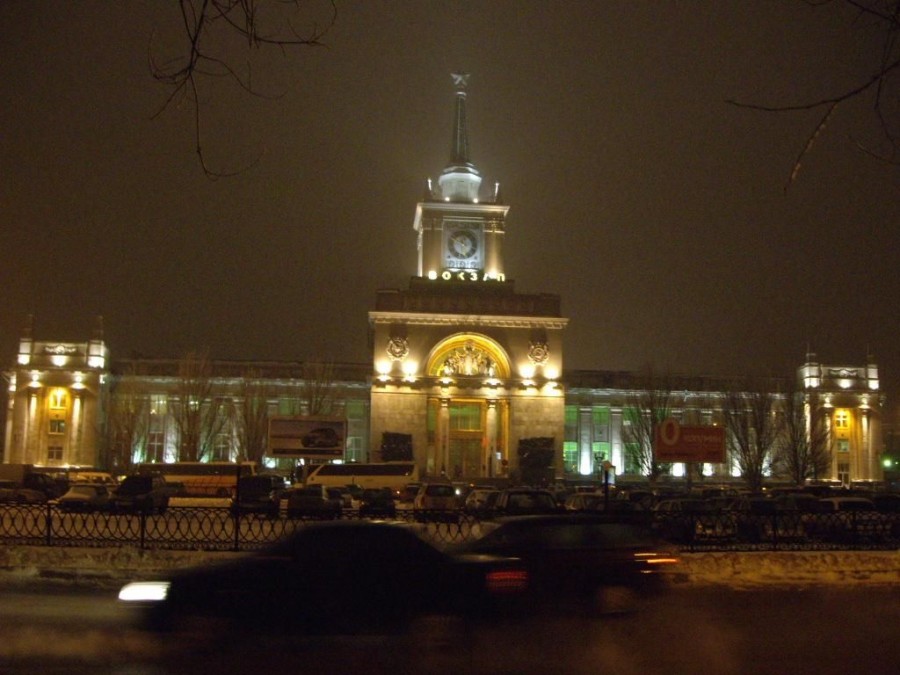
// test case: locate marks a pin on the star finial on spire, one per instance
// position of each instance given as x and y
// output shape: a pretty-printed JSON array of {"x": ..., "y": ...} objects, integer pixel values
[{"x": 460, "y": 80}]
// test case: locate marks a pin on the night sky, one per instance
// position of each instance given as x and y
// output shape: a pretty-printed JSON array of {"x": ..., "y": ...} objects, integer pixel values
[{"x": 653, "y": 207}]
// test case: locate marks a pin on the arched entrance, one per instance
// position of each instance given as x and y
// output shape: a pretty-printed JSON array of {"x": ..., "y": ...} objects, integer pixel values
[{"x": 468, "y": 422}]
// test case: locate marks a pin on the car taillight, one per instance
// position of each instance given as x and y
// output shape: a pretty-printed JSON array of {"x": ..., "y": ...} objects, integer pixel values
[
  {"x": 657, "y": 558},
  {"x": 506, "y": 581}
]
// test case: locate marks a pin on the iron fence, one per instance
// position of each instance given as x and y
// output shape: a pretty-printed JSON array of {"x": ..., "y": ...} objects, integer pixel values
[{"x": 210, "y": 528}]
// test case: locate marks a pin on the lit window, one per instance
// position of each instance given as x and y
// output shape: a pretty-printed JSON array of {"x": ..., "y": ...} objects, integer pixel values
[
  {"x": 58, "y": 398},
  {"x": 57, "y": 426},
  {"x": 843, "y": 445},
  {"x": 841, "y": 419}
]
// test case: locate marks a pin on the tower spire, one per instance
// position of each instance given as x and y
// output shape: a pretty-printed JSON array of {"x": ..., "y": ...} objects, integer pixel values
[
  {"x": 460, "y": 150},
  {"x": 460, "y": 180}
]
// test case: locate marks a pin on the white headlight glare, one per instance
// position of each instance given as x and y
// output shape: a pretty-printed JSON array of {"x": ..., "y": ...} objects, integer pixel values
[{"x": 144, "y": 591}]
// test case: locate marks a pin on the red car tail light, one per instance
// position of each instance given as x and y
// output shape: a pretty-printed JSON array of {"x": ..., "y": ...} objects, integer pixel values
[{"x": 506, "y": 581}]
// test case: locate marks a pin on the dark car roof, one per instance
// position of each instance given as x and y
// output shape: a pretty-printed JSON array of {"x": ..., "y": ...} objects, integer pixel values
[{"x": 572, "y": 531}]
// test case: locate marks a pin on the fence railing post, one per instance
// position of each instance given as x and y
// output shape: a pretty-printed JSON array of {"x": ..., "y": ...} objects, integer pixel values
[{"x": 48, "y": 524}]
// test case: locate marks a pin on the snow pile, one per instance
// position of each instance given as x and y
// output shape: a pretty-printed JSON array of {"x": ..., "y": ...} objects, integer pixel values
[
  {"x": 790, "y": 568},
  {"x": 744, "y": 569}
]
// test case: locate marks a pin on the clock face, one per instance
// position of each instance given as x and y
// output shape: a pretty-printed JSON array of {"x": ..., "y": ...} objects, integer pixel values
[{"x": 462, "y": 244}]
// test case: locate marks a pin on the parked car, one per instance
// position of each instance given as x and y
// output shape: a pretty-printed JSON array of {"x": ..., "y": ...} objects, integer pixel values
[
  {"x": 481, "y": 500},
  {"x": 762, "y": 519},
  {"x": 408, "y": 494},
  {"x": 84, "y": 497},
  {"x": 348, "y": 577},
  {"x": 312, "y": 501},
  {"x": 583, "y": 501},
  {"x": 377, "y": 504},
  {"x": 526, "y": 501},
  {"x": 690, "y": 520},
  {"x": 436, "y": 497},
  {"x": 582, "y": 559},
  {"x": 102, "y": 477},
  {"x": 259, "y": 494},
  {"x": 436, "y": 502},
  {"x": 848, "y": 519},
  {"x": 142, "y": 494}
]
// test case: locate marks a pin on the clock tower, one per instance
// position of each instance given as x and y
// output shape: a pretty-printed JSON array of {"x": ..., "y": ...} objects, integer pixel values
[
  {"x": 464, "y": 367},
  {"x": 460, "y": 232}
]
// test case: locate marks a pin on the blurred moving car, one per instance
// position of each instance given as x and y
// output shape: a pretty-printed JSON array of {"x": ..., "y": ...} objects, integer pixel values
[
  {"x": 84, "y": 497},
  {"x": 590, "y": 560},
  {"x": 348, "y": 577},
  {"x": 312, "y": 501}
]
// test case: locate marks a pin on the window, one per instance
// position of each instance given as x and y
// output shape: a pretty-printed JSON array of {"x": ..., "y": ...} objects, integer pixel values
[
  {"x": 602, "y": 450},
  {"x": 843, "y": 469},
  {"x": 570, "y": 456},
  {"x": 843, "y": 445},
  {"x": 58, "y": 399},
  {"x": 221, "y": 451},
  {"x": 156, "y": 445},
  {"x": 465, "y": 417},
  {"x": 157, "y": 404},
  {"x": 54, "y": 453},
  {"x": 57, "y": 426},
  {"x": 841, "y": 419}
]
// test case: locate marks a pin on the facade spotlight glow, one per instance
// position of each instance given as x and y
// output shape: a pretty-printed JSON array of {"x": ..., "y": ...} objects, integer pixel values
[
  {"x": 59, "y": 360},
  {"x": 527, "y": 371},
  {"x": 24, "y": 359},
  {"x": 551, "y": 372},
  {"x": 35, "y": 380}
]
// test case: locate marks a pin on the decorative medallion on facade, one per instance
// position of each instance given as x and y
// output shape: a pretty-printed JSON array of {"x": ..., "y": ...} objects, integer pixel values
[
  {"x": 469, "y": 361},
  {"x": 398, "y": 348},
  {"x": 538, "y": 352}
]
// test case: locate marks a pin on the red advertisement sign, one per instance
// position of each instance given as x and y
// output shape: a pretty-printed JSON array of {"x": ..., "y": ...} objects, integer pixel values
[{"x": 677, "y": 443}]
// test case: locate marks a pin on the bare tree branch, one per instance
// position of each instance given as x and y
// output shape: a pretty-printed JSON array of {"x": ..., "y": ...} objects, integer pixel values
[
  {"x": 885, "y": 16},
  {"x": 207, "y": 27}
]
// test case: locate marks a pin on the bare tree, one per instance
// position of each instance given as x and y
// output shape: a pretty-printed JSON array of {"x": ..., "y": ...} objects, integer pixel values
[
  {"x": 251, "y": 420},
  {"x": 319, "y": 394},
  {"x": 647, "y": 407},
  {"x": 881, "y": 18},
  {"x": 214, "y": 31},
  {"x": 752, "y": 430},
  {"x": 803, "y": 447},
  {"x": 127, "y": 424},
  {"x": 198, "y": 416}
]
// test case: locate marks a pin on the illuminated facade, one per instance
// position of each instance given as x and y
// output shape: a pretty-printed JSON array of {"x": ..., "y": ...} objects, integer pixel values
[
  {"x": 462, "y": 365},
  {"x": 54, "y": 401}
]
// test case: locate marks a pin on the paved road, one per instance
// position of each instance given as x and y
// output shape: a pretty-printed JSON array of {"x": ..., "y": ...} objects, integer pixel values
[{"x": 58, "y": 628}]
